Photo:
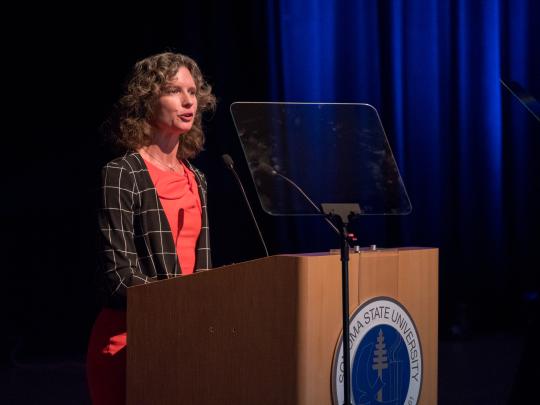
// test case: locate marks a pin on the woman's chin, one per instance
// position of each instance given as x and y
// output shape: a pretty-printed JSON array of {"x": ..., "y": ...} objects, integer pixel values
[{"x": 184, "y": 127}]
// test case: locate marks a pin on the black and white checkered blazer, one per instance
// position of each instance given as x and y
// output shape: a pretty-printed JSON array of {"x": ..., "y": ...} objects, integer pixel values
[{"x": 137, "y": 245}]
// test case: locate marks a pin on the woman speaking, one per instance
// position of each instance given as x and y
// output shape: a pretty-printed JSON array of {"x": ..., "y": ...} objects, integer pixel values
[{"x": 152, "y": 218}]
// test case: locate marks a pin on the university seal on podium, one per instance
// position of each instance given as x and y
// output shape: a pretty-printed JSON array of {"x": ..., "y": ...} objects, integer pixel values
[{"x": 386, "y": 356}]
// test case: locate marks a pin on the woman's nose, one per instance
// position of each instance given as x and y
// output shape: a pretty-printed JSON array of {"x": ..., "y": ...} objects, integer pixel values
[{"x": 186, "y": 100}]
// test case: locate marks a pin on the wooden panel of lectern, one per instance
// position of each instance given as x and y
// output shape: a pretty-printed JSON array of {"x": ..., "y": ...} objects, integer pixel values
[{"x": 265, "y": 331}]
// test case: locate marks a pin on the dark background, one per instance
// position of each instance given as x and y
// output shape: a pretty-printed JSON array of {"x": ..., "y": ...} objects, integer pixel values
[{"x": 64, "y": 71}]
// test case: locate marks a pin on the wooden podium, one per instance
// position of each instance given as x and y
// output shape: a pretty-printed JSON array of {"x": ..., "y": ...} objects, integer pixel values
[{"x": 265, "y": 331}]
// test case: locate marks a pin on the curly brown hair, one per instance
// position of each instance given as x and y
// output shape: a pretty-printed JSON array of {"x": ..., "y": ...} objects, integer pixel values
[{"x": 133, "y": 112}]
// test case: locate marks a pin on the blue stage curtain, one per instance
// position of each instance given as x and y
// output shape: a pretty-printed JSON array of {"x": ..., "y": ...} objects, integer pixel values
[{"x": 467, "y": 151}]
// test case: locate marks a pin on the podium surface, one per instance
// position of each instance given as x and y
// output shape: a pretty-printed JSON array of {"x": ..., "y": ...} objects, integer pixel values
[{"x": 265, "y": 331}]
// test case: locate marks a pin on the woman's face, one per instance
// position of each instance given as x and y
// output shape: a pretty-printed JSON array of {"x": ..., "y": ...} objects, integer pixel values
[{"x": 177, "y": 104}]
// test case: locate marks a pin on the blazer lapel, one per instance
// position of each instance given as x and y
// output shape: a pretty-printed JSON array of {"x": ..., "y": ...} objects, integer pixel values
[{"x": 168, "y": 260}]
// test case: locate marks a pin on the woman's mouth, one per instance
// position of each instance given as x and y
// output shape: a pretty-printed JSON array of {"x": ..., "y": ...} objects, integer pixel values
[{"x": 187, "y": 117}]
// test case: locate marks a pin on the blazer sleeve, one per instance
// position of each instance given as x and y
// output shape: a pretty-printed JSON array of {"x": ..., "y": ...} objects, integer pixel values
[{"x": 118, "y": 254}]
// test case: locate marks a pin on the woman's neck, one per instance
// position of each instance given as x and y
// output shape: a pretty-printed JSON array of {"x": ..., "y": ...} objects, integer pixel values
[
  {"x": 164, "y": 148},
  {"x": 163, "y": 152}
]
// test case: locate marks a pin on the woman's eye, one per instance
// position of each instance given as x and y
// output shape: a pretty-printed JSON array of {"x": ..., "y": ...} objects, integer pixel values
[{"x": 175, "y": 90}]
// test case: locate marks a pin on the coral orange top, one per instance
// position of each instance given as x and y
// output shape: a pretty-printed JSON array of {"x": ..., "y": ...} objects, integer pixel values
[{"x": 179, "y": 197}]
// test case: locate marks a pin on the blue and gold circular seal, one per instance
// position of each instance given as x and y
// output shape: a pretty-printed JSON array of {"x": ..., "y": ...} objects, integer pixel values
[{"x": 386, "y": 356}]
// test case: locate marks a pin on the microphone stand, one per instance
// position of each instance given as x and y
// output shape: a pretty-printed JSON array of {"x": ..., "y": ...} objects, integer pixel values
[
  {"x": 270, "y": 170},
  {"x": 230, "y": 165},
  {"x": 341, "y": 214}
]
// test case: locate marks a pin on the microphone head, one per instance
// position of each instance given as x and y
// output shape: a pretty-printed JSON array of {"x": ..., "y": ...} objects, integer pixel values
[
  {"x": 227, "y": 159},
  {"x": 265, "y": 167}
]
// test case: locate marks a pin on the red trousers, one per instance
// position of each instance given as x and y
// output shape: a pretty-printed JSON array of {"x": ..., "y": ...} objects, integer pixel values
[{"x": 106, "y": 358}]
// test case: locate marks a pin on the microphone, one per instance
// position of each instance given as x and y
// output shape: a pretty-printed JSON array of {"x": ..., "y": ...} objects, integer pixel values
[
  {"x": 272, "y": 171},
  {"x": 229, "y": 163},
  {"x": 227, "y": 159}
]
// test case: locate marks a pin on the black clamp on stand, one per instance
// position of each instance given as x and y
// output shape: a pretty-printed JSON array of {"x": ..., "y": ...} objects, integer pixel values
[{"x": 341, "y": 215}]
